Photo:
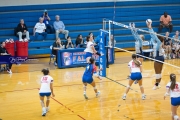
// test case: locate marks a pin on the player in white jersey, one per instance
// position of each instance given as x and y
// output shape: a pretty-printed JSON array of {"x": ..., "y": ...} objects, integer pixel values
[
  {"x": 173, "y": 89},
  {"x": 135, "y": 71},
  {"x": 46, "y": 90},
  {"x": 90, "y": 50},
  {"x": 176, "y": 45}
]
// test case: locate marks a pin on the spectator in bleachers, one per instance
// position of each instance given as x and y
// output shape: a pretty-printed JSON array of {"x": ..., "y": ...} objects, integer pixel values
[
  {"x": 22, "y": 30},
  {"x": 69, "y": 44},
  {"x": 56, "y": 46},
  {"x": 46, "y": 19},
  {"x": 176, "y": 46},
  {"x": 60, "y": 27},
  {"x": 166, "y": 21},
  {"x": 167, "y": 46},
  {"x": 3, "y": 51},
  {"x": 79, "y": 41},
  {"x": 39, "y": 29}
]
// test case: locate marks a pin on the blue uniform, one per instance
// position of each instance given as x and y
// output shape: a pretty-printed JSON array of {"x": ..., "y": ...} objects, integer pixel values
[
  {"x": 159, "y": 50},
  {"x": 138, "y": 43},
  {"x": 88, "y": 74},
  {"x": 167, "y": 41}
]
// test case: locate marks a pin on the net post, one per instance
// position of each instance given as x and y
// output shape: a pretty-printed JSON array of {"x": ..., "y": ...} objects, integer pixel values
[
  {"x": 102, "y": 58},
  {"x": 104, "y": 24},
  {"x": 109, "y": 32}
]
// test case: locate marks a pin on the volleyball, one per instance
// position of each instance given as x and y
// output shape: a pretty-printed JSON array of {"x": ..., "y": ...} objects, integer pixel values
[{"x": 148, "y": 21}]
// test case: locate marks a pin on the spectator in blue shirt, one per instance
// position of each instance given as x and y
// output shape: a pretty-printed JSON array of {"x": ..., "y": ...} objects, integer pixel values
[
  {"x": 60, "y": 27},
  {"x": 46, "y": 19}
]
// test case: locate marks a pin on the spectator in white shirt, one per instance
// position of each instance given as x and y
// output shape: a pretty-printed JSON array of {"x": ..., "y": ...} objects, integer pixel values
[
  {"x": 39, "y": 29},
  {"x": 60, "y": 27}
]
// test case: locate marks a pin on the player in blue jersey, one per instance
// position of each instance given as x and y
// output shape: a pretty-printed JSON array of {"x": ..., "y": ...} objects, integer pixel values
[
  {"x": 159, "y": 55},
  {"x": 88, "y": 77}
]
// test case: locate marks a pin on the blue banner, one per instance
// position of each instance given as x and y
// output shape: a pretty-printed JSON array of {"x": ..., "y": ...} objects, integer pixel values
[{"x": 74, "y": 58}]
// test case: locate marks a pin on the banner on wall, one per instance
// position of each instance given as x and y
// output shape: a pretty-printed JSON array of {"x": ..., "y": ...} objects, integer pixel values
[{"x": 75, "y": 58}]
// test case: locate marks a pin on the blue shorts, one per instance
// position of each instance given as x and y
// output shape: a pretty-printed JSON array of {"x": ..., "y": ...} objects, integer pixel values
[
  {"x": 136, "y": 76},
  {"x": 175, "y": 101},
  {"x": 140, "y": 54},
  {"x": 87, "y": 79},
  {"x": 160, "y": 58},
  {"x": 88, "y": 54},
  {"x": 45, "y": 94}
]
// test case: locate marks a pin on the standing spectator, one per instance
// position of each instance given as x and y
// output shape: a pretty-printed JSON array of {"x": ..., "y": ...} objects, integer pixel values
[
  {"x": 3, "y": 51},
  {"x": 167, "y": 46},
  {"x": 22, "y": 30},
  {"x": 39, "y": 29},
  {"x": 69, "y": 43},
  {"x": 165, "y": 21},
  {"x": 46, "y": 19},
  {"x": 60, "y": 27},
  {"x": 79, "y": 40},
  {"x": 56, "y": 46},
  {"x": 176, "y": 46}
]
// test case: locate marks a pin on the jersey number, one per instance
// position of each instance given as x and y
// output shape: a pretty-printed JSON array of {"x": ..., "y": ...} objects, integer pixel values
[{"x": 176, "y": 87}]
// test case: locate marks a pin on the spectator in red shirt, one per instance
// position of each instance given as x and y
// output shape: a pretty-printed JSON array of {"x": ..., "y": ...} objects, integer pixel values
[{"x": 166, "y": 21}]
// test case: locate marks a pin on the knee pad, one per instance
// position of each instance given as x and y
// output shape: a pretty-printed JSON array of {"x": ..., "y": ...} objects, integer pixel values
[
  {"x": 158, "y": 76},
  {"x": 95, "y": 88},
  {"x": 128, "y": 86},
  {"x": 141, "y": 86}
]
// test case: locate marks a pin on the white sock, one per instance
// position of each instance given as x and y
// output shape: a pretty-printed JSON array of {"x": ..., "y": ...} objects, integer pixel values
[
  {"x": 143, "y": 94},
  {"x": 43, "y": 109},
  {"x": 84, "y": 92},
  {"x": 124, "y": 94}
]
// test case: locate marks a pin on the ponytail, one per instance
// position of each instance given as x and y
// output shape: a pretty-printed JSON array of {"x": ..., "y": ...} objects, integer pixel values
[
  {"x": 87, "y": 38},
  {"x": 137, "y": 63},
  {"x": 173, "y": 81}
]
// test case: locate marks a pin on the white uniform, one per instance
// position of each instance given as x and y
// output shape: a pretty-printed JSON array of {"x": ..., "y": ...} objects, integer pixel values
[
  {"x": 45, "y": 84},
  {"x": 176, "y": 92},
  {"x": 89, "y": 47},
  {"x": 134, "y": 68},
  {"x": 40, "y": 27}
]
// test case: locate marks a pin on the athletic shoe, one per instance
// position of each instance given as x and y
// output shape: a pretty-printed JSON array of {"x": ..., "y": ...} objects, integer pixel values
[
  {"x": 9, "y": 71},
  {"x": 176, "y": 117},
  {"x": 135, "y": 82},
  {"x": 98, "y": 93},
  {"x": 143, "y": 97},
  {"x": 55, "y": 63},
  {"x": 156, "y": 87},
  {"x": 85, "y": 96},
  {"x": 43, "y": 111},
  {"x": 21, "y": 40},
  {"x": 47, "y": 109},
  {"x": 124, "y": 97}
]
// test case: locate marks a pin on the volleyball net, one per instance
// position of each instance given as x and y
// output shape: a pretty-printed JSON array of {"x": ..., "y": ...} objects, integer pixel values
[{"x": 111, "y": 27}]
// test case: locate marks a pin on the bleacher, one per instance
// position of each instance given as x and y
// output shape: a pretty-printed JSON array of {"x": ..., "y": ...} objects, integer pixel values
[{"x": 82, "y": 18}]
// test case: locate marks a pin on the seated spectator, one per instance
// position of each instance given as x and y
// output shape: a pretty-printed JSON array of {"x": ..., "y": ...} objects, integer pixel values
[
  {"x": 22, "y": 30},
  {"x": 46, "y": 19},
  {"x": 79, "y": 40},
  {"x": 176, "y": 46},
  {"x": 69, "y": 44},
  {"x": 59, "y": 27},
  {"x": 56, "y": 46},
  {"x": 165, "y": 21},
  {"x": 39, "y": 29},
  {"x": 3, "y": 51}
]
